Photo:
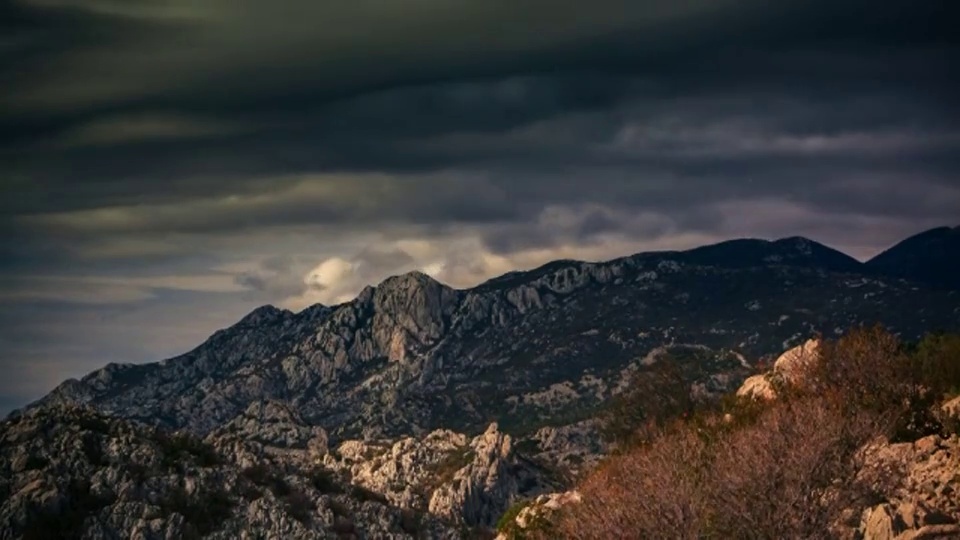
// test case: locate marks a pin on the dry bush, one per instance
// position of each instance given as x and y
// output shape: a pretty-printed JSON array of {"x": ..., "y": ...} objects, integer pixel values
[
  {"x": 936, "y": 361},
  {"x": 656, "y": 487},
  {"x": 656, "y": 396},
  {"x": 865, "y": 368},
  {"x": 769, "y": 479},
  {"x": 870, "y": 369}
]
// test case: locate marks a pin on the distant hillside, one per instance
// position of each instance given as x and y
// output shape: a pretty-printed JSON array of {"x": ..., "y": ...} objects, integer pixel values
[{"x": 931, "y": 257}]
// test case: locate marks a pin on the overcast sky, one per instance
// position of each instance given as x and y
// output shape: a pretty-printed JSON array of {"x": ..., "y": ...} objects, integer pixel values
[{"x": 168, "y": 165}]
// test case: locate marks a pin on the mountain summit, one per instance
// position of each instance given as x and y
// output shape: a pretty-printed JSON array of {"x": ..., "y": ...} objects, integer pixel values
[
  {"x": 793, "y": 251},
  {"x": 929, "y": 257}
]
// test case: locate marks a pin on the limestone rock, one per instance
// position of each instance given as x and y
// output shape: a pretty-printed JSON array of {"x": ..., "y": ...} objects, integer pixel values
[{"x": 789, "y": 368}]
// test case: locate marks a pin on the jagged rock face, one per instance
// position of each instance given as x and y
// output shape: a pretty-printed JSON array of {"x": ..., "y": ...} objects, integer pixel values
[
  {"x": 482, "y": 490},
  {"x": 574, "y": 448},
  {"x": 71, "y": 473},
  {"x": 465, "y": 481},
  {"x": 276, "y": 425},
  {"x": 921, "y": 487},
  {"x": 406, "y": 471}
]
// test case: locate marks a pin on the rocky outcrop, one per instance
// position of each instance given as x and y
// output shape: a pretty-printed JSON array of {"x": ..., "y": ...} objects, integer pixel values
[
  {"x": 465, "y": 481},
  {"x": 494, "y": 477},
  {"x": 920, "y": 485},
  {"x": 276, "y": 425},
  {"x": 573, "y": 448},
  {"x": 534, "y": 514},
  {"x": 789, "y": 368},
  {"x": 68, "y": 472},
  {"x": 951, "y": 408}
]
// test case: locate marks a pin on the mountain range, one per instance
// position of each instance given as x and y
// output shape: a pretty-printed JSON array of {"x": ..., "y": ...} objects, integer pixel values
[
  {"x": 528, "y": 348},
  {"x": 421, "y": 411}
]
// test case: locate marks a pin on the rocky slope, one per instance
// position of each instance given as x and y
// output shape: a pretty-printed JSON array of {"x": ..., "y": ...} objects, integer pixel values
[
  {"x": 70, "y": 472},
  {"x": 906, "y": 490},
  {"x": 526, "y": 349},
  {"x": 916, "y": 484}
]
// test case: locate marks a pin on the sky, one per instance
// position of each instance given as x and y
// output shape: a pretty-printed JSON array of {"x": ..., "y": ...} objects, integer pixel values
[{"x": 168, "y": 165}]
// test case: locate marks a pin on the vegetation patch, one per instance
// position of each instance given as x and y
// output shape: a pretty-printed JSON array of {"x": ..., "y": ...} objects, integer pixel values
[
  {"x": 298, "y": 505},
  {"x": 444, "y": 470},
  {"x": 363, "y": 494},
  {"x": 324, "y": 480},
  {"x": 411, "y": 522},
  {"x": 36, "y": 462},
  {"x": 180, "y": 448},
  {"x": 205, "y": 512},
  {"x": 67, "y": 521}
]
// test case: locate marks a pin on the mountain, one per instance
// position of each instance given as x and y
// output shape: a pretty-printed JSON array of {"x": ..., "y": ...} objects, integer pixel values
[
  {"x": 419, "y": 410},
  {"x": 793, "y": 251},
  {"x": 527, "y": 349},
  {"x": 931, "y": 257}
]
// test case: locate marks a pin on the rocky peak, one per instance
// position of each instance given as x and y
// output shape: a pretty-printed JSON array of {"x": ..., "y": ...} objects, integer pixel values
[
  {"x": 267, "y": 314},
  {"x": 415, "y": 302}
]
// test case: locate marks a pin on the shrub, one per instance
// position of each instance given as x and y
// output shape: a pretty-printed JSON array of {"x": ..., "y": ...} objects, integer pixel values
[
  {"x": 67, "y": 521},
  {"x": 870, "y": 369},
  {"x": 93, "y": 422},
  {"x": 768, "y": 479},
  {"x": 363, "y": 494},
  {"x": 867, "y": 368},
  {"x": 411, "y": 521},
  {"x": 204, "y": 513},
  {"x": 344, "y": 527},
  {"x": 324, "y": 480},
  {"x": 179, "y": 448},
  {"x": 92, "y": 449},
  {"x": 298, "y": 505},
  {"x": 445, "y": 469},
  {"x": 936, "y": 361},
  {"x": 262, "y": 475},
  {"x": 35, "y": 462},
  {"x": 507, "y": 519},
  {"x": 655, "y": 396},
  {"x": 338, "y": 508}
]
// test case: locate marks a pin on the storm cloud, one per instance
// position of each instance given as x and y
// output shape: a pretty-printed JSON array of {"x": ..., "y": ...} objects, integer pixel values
[{"x": 168, "y": 165}]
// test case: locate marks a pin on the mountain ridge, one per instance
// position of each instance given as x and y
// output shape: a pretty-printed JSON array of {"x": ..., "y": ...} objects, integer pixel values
[
  {"x": 703, "y": 254},
  {"x": 411, "y": 354}
]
